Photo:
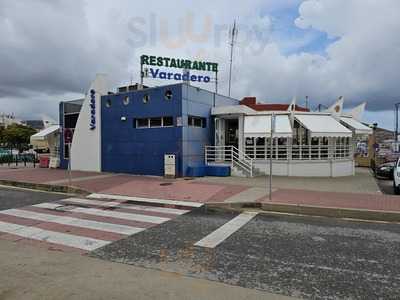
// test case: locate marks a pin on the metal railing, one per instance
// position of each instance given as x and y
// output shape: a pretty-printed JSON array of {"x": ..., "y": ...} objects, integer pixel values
[
  {"x": 230, "y": 155},
  {"x": 300, "y": 152},
  {"x": 16, "y": 159}
]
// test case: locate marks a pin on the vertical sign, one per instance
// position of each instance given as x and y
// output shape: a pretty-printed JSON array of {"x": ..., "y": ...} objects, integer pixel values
[{"x": 92, "y": 124}]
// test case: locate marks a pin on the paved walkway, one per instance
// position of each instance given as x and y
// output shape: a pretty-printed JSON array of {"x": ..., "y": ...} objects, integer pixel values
[
  {"x": 363, "y": 182},
  {"x": 335, "y": 200},
  {"x": 357, "y": 192},
  {"x": 33, "y": 273},
  {"x": 129, "y": 185}
]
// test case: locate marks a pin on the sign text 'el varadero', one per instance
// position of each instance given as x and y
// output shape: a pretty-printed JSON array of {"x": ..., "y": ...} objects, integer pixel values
[{"x": 185, "y": 64}]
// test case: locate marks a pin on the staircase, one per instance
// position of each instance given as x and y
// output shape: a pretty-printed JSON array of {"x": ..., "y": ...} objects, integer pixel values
[{"x": 240, "y": 163}]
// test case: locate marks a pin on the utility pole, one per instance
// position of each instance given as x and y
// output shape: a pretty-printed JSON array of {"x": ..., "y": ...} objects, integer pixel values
[
  {"x": 396, "y": 132},
  {"x": 270, "y": 155},
  {"x": 320, "y": 106},
  {"x": 233, "y": 34}
]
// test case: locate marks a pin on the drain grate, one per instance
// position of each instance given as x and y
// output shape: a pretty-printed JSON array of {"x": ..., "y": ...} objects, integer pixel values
[{"x": 166, "y": 183}]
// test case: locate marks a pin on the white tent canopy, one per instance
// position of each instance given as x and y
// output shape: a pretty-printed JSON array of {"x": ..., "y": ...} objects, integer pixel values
[
  {"x": 323, "y": 125},
  {"x": 260, "y": 126},
  {"x": 357, "y": 126},
  {"x": 42, "y": 135}
]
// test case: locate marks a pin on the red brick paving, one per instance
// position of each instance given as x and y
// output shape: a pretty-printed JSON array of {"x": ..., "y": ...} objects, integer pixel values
[
  {"x": 180, "y": 189},
  {"x": 340, "y": 200},
  {"x": 39, "y": 175}
]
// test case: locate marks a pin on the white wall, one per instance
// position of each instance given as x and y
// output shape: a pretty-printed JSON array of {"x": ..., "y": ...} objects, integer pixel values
[
  {"x": 86, "y": 143},
  {"x": 308, "y": 168}
]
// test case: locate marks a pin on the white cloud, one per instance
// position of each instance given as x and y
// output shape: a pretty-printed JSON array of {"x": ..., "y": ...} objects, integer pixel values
[{"x": 50, "y": 48}]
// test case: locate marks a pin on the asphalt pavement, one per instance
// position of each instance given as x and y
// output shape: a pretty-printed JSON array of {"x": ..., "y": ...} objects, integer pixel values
[
  {"x": 386, "y": 186},
  {"x": 297, "y": 256},
  {"x": 16, "y": 197},
  {"x": 305, "y": 257}
]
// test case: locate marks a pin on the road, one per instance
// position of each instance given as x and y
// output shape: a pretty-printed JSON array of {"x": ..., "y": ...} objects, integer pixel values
[
  {"x": 204, "y": 254},
  {"x": 16, "y": 197},
  {"x": 310, "y": 258},
  {"x": 386, "y": 186}
]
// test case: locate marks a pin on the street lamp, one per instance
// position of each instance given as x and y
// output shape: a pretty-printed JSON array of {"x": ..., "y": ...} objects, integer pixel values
[{"x": 375, "y": 145}]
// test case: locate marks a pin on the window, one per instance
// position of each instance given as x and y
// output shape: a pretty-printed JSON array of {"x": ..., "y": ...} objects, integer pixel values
[
  {"x": 66, "y": 151},
  {"x": 168, "y": 121},
  {"x": 168, "y": 95},
  {"x": 146, "y": 98},
  {"x": 108, "y": 103},
  {"x": 155, "y": 122},
  {"x": 142, "y": 123},
  {"x": 126, "y": 100},
  {"x": 197, "y": 122}
]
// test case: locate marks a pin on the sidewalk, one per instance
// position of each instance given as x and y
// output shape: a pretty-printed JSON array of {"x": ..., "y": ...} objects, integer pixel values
[
  {"x": 35, "y": 273},
  {"x": 128, "y": 185},
  {"x": 359, "y": 192}
]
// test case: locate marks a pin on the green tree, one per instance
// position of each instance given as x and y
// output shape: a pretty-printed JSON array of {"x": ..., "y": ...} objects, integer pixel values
[
  {"x": 1, "y": 135},
  {"x": 17, "y": 136}
]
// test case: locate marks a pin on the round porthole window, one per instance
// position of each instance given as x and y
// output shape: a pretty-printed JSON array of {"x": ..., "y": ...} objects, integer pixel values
[
  {"x": 126, "y": 100},
  {"x": 168, "y": 95},
  {"x": 108, "y": 103},
  {"x": 146, "y": 98}
]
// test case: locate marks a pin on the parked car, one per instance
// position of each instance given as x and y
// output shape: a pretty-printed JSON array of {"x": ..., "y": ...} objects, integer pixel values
[
  {"x": 396, "y": 178},
  {"x": 386, "y": 170}
]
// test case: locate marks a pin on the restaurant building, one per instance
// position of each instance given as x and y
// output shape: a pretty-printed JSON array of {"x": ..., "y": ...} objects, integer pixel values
[{"x": 183, "y": 130}]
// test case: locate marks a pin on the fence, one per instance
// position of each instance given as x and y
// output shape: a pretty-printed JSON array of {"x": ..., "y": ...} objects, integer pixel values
[
  {"x": 300, "y": 152},
  {"x": 18, "y": 159}
]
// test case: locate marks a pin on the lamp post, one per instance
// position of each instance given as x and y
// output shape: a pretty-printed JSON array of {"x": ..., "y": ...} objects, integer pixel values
[
  {"x": 396, "y": 132},
  {"x": 270, "y": 155},
  {"x": 375, "y": 144}
]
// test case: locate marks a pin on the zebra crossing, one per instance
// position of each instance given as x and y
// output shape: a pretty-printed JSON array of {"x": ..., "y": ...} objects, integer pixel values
[{"x": 85, "y": 224}]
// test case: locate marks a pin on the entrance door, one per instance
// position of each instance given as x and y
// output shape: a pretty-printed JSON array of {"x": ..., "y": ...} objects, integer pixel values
[{"x": 232, "y": 132}]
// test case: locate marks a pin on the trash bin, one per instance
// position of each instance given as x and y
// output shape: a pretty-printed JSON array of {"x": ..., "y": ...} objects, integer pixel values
[{"x": 44, "y": 162}]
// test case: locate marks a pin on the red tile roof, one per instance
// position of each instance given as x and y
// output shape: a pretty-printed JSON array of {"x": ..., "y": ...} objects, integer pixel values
[{"x": 252, "y": 103}]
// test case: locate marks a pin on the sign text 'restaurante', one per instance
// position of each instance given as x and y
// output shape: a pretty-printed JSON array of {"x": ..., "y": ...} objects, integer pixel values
[{"x": 178, "y": 63}]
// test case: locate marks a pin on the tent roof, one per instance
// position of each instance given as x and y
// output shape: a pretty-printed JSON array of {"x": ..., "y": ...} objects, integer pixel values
[
  {"x": 260, "y": 126},
  {"x": 323, "y": 125},
  {"x": 358, "y": 127},
  {"x": 42, "y": 135}
]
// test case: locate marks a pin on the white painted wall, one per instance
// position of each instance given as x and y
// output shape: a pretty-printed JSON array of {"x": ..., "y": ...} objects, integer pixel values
[
  {"x": 86, "y": 144},
  {"x": 308, "y": 168}
]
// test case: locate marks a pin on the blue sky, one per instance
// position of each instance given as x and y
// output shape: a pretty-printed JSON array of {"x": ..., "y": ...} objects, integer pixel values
[{"x": 292, "y": 39}]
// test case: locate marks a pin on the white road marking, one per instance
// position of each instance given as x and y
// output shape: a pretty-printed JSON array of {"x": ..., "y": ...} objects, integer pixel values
[
  {"x": 104, "y": 213},
  {"x": 149, "y": 200},
  {"x": 222, "y": 233},
  {"x": 64, "y": 220},
  {"x": 65, "y": 239},
  {"x": 122, "y": 205}
]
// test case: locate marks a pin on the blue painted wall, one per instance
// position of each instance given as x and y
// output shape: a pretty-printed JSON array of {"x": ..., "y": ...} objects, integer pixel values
[
  {"x": 126, "y": 149},
  {"x": 140, "y": 150},
  {"x": 198, "y": 102}
]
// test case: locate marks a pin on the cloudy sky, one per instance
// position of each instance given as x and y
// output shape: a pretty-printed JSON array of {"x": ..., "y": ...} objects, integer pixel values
[{"x": 50, "y": 50}]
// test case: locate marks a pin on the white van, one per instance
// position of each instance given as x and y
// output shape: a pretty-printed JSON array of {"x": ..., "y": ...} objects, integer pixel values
[{"x": 396, "y": 177}]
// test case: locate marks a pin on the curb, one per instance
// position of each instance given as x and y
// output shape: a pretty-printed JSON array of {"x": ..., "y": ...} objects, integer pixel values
[
  {"x": 332, "y": 212},
  {"x": 45, "y": 187}
]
